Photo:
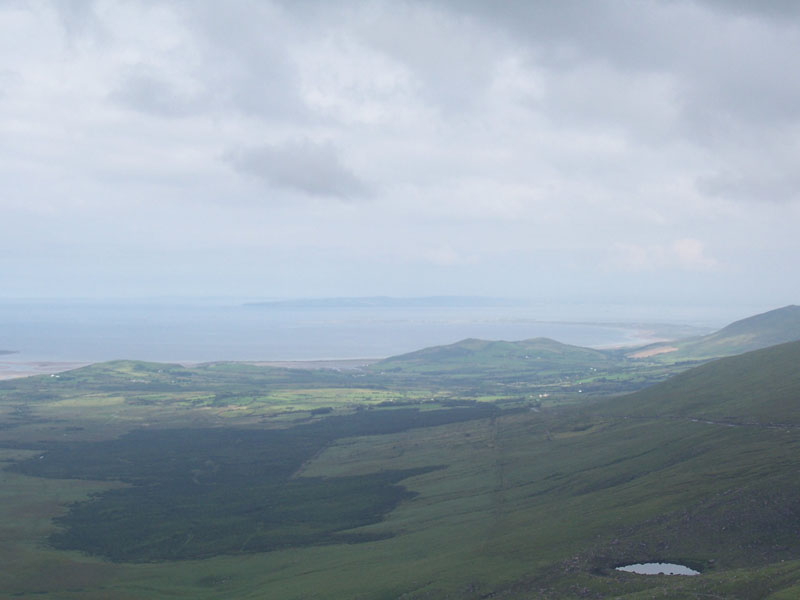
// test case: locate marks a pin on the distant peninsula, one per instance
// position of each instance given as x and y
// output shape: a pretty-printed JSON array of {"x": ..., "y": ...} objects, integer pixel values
[{"x": 391, "y": 302}]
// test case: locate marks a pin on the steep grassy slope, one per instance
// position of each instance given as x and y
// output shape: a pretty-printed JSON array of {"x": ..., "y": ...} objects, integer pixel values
[
  {"x": 760, "y": 387},
  {"x": 759, "y": 331},
  {"x": 547, "y": 504}
]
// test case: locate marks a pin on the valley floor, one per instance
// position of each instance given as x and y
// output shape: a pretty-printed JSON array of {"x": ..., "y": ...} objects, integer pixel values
[{"x": 132, "y": 480}]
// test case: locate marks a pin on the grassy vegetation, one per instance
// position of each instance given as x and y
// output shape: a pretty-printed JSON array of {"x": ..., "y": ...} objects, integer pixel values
[
  {"x": 774, "y": 327},
  {"x": 532, "y": 367},
  {"x": 753, "y": 388},
  {"x": 201, "y": 492},
  {"x": 133, "y": 480}
]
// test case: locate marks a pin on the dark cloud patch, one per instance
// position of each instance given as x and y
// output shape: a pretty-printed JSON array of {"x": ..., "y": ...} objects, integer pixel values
[
  {"x": 714, "y": 75},
  {"x": 780, "y": 10},
  {"x": 244, "y": 56},
  {"x": 305, "y": 166},
  {"x": 77, "y": 16},
  {"x": 222, "y": 62},
  {"x": 752, "y": 187},
  {"x": 631, "y": 34},
  {"x": 720, "y": 58},
  {"x": 146, "y": 92}
]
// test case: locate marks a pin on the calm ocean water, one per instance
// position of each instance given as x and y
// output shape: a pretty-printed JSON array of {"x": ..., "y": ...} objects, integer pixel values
[{"x": 96, "y": 331}]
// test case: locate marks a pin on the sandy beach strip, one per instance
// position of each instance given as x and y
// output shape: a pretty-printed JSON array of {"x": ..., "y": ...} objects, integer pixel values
[{"x": 16, "y": 369}]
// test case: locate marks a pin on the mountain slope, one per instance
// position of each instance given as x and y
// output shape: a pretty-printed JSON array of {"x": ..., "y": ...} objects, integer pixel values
[
  {"x": 543, "y": 352},
  {"x": 496, "y": 367},
  {"x": 480, "y": 363},
  {"x": 752, "y": 333},
  {"x": 759, "y": 387},
  {"x": 564, "y": 496}
]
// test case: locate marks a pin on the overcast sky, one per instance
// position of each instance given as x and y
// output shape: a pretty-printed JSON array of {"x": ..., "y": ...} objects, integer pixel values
[{"x": 644, "y": 151}]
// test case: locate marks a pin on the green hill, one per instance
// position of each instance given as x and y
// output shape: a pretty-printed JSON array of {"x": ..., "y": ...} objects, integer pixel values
[
  {"x": 537, "y": 353},
  {"x": 759, "y": 387},
  {"x": 485, "y": 363},
  {"x": 759, "y": 331}
]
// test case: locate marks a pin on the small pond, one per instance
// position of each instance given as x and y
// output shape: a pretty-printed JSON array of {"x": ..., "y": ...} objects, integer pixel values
[{"x": 658, "y": 568}]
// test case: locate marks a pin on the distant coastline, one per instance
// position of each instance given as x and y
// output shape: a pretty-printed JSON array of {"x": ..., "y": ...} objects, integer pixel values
[
  {"x": 320, "y": 329},
  {"x": 392, "y": 302},
  {"x": 15, "y": 370}
]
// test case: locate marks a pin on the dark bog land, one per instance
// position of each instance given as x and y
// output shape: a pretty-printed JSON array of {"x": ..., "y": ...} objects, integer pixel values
[{"x": 196, "y": 493}]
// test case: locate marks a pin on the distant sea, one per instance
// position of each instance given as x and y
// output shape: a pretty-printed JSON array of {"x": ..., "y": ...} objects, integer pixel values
[{"x": 184, "y": 331}]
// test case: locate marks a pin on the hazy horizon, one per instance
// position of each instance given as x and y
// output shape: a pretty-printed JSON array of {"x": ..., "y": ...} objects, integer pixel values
[
  {"x": 208, "y": 330},
  {"x": 93, "y": 331}
]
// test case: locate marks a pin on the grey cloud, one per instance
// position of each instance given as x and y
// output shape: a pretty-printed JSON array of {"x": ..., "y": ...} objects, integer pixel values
[
  {"x": 752, "y": 187},
  {"x": 717, "y": 76},
  {"x": 143, "y": 91},
  {"x": 235, "y": 59},
  {"x": 720, "y": 60},
  {"x": 305, "y": 166},
  {"x": 452, "y": 59},
  {"x": 77, "y": 16},
  {"x": 244, "y": 56},
  {"x": 570, "y": 31},
  {"x": 773, "y": 9},
  {"x": 8, "y": 79}
]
